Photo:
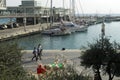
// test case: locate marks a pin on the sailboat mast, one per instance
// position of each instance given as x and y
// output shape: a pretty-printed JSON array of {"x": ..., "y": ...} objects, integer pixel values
[
  {"x": 70, "y": 11},
  {"x": 63, "y": 10},
  {"x": 73, "y": 10},
  {"x": 51, "y": 13}
]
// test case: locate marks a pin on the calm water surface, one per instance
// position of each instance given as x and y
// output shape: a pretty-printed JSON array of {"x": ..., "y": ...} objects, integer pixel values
[
  {"x": 6, "y": 20},
  {"x": 73, "y": 41}
]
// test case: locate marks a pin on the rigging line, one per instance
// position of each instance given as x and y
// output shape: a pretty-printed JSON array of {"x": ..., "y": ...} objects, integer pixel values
[
  {"x": 77, "y": 10},
  {"x": 47, "y": 11},
  {"x": 46, "y": 4},
  {"x": 70, "y": 8},
  {"x": 67, "y": 7},
  {"x": 68, "y": 4},
  {"x": 81, "y": 7}
]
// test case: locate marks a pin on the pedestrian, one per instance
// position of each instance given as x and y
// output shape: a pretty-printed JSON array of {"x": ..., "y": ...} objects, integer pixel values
[
  {"x": 34, "y": 53},
  {"x": 39, "y": 51}
]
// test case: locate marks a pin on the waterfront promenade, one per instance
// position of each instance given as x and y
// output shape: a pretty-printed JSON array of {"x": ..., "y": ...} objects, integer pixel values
[
  {"x": 7, "y": 34},
  {"x": 49, "y": 56}
]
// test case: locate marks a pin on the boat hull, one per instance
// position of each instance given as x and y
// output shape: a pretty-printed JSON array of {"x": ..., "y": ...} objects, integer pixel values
[{"x": 56, "y": 32}]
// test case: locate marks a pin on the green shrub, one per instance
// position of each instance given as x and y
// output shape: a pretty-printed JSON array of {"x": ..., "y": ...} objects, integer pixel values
[{"x": 10, "y": 63}]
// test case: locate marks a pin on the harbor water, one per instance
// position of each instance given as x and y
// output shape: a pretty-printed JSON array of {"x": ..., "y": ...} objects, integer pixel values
[
  {"x": 76, "y": 40},
  {"x": 6, "y": 20}
]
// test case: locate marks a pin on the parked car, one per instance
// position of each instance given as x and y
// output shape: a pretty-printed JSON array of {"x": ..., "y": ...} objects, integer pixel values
[
  {"x": 9, "y": 26},
  {"x": 3, "y": 26},
  {"x": 15, "y": 25}
]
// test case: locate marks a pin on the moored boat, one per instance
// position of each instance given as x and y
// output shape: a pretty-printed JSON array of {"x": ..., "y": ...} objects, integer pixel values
[
  {"x": 56, "y": 32},
  {"x": 61, "y": 32},
  {"x": 74, "y": 27}
]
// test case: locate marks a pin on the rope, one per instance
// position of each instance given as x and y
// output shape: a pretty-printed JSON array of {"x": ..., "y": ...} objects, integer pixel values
[
  {"x": 81, "y": 7},
  {"x": 47, "y": 12},
  {"x": 46, "y": 4}
]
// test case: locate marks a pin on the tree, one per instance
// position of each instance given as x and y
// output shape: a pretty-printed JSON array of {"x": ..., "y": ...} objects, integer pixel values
[
  {"x": 92, "y": 58},
  {"x": 10, "y": 63},
  {"x": 102, "y": 55},
  {"x": 112, "y": 62}
]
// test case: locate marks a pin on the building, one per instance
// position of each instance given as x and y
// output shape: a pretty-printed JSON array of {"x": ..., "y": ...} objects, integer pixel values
[
  {"x": 2, "y": 4},
  {"x": 29, "y": 3},
  {"x": 34, "y": 13}
]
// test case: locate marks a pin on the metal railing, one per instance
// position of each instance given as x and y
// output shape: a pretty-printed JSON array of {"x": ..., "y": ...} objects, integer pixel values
[
  {"x": 15, "y": 15},
  {"x": 8, "y": 15}
]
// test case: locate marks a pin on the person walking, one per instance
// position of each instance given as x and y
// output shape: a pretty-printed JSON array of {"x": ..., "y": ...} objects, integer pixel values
[
  {"x": 34, "y": 53},
  {"x": 39, "y": 51}
]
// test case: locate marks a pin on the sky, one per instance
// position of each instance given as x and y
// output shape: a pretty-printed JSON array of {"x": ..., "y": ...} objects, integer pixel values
[{"x": 82, "y": 6}]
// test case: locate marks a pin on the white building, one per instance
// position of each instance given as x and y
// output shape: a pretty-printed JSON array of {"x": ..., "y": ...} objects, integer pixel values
[
  {"x": 34, "y": 3},
  {"x": 2, "y": 4}
]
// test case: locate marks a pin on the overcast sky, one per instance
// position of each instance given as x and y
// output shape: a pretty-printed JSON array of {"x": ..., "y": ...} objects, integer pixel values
[{"x": 88, "y": 6}]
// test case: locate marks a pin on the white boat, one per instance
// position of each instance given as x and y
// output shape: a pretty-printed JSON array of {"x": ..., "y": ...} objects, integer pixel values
[
  {"x": 59, "y": 31},
  {"x": 81, "y": 28},
  {"x": 56, "y": 32},
  {"x": 47, "y": 32},
  {"x": 74, "y": 27}
]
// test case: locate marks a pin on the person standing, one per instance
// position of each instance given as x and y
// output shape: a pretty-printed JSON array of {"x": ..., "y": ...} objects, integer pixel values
[
  {"x": 34, "y": 53},
  {"x": 39, "y": 51}
]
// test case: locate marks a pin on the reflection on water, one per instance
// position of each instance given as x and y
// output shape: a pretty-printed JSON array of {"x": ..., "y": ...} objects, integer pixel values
[{"x": 73, "y": 41}]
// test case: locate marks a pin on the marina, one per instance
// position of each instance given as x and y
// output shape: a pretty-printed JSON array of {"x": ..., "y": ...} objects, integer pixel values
[
  {"x": 73, "y": 41},
  {"x": 59, "y": 38}
]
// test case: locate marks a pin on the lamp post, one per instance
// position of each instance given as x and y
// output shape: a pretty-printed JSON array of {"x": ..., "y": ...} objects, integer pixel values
[
  {"x": 103, "y": 30},
  {"x": 24, "y": 19},
  {"x": 102, "y": 36}
]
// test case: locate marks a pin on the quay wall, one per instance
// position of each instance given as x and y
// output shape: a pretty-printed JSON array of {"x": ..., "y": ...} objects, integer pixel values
[
  {"x": 21, "y": 31},
  {"x": 56, "y": 51}
]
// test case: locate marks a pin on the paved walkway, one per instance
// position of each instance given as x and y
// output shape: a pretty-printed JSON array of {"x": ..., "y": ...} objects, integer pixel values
[{"x": 49, "y": 56}]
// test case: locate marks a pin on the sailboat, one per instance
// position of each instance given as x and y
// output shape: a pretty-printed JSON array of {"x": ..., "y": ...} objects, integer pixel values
[
  {"x": 73, "y": 27},
  {"x": 79, "y": 28},
  {"x": 59, "y": 31}
]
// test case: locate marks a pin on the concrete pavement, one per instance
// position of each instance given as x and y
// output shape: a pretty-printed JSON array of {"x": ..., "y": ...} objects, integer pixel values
[
  {"x": 49, "y": 56},
  {"x": 21, "y": 31}
]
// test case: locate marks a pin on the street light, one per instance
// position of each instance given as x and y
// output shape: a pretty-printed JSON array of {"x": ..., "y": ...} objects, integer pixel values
[
  {"x": 24, "y": 21},
  {"x": 103, "y": 29},
  {"x": 102, "y": 35}
]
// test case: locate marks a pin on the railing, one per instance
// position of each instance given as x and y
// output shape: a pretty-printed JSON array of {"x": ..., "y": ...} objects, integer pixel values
[{"x": 8, "y": 15}]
